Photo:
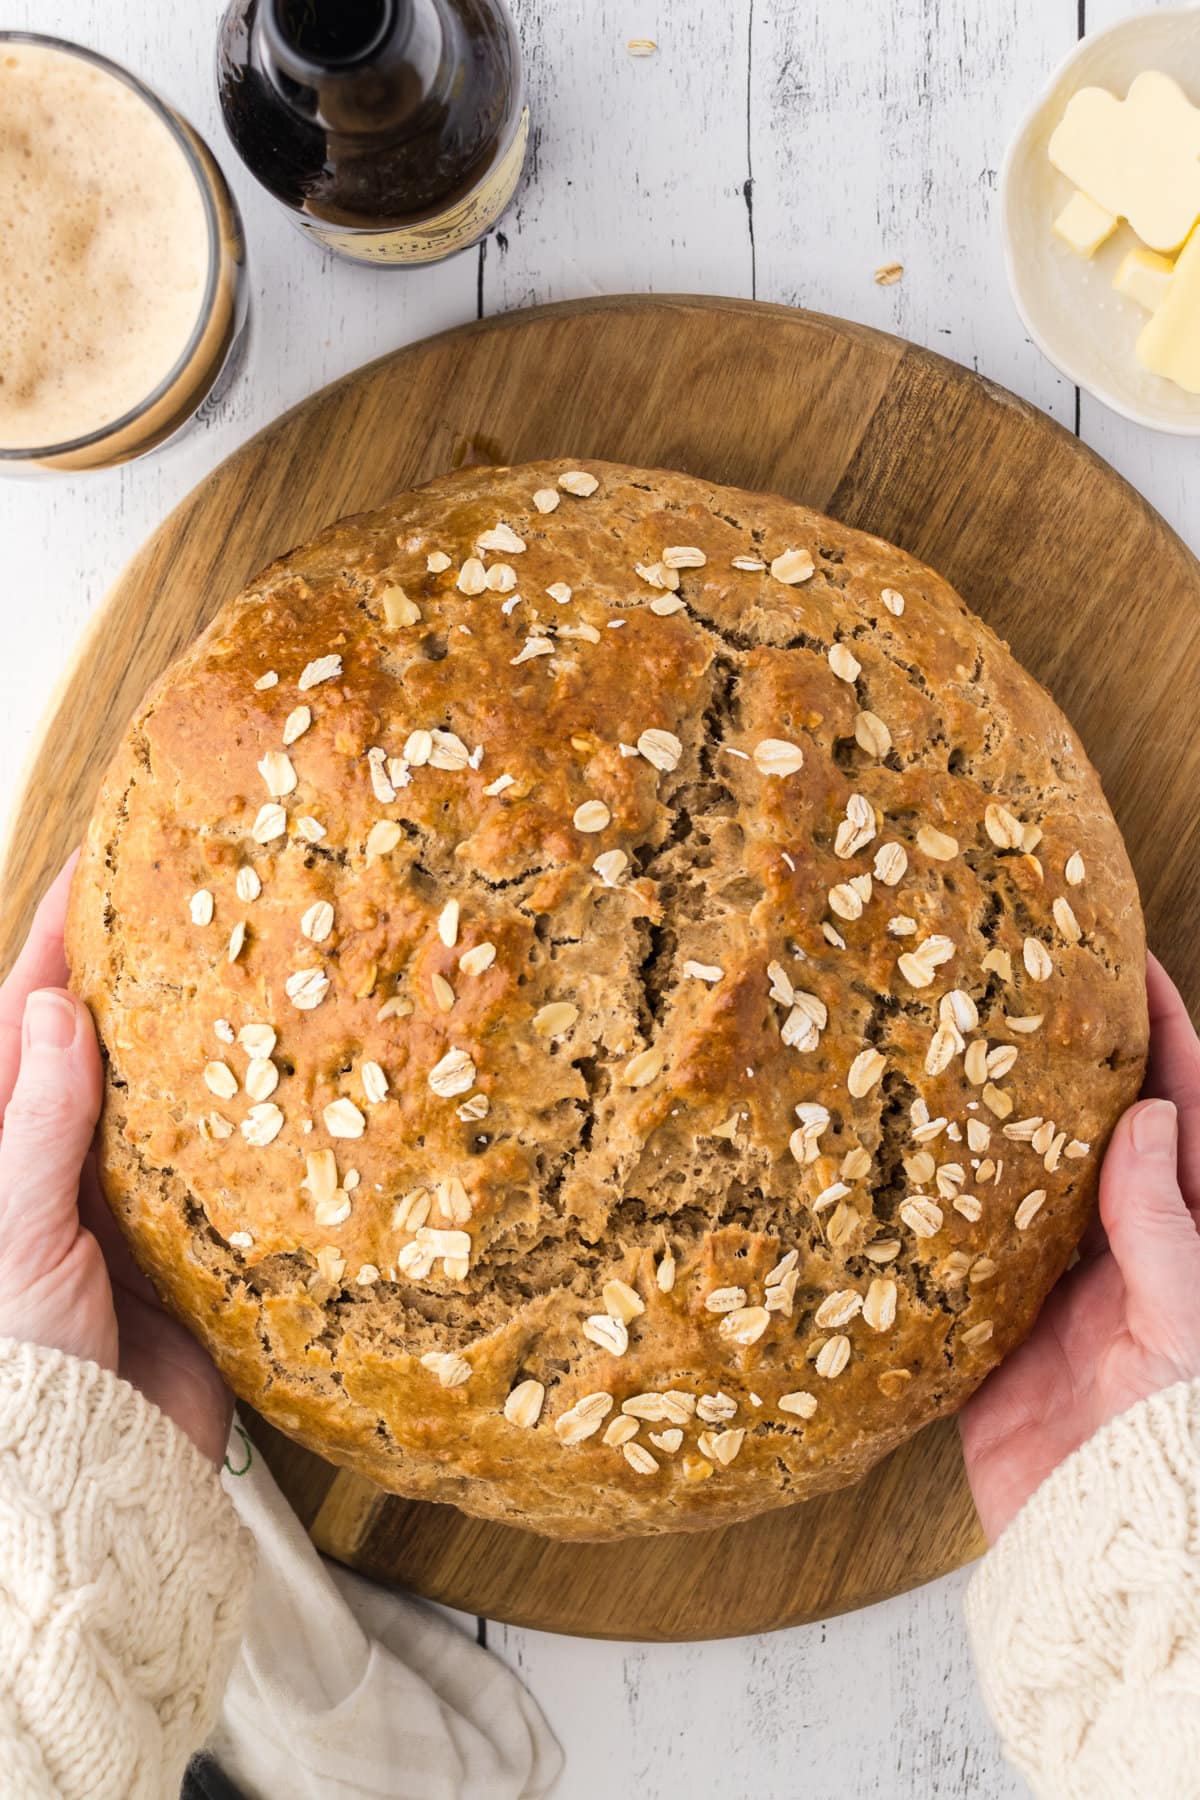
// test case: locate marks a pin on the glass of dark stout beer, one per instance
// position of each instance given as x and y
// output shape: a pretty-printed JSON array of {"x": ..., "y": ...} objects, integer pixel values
[{"x": 122, "y": 299}]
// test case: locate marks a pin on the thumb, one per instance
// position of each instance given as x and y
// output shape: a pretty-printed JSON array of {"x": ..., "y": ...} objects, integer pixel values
[
  {"x": 47, "y": 1131},
  {"x": 1151, "y": 1233}
]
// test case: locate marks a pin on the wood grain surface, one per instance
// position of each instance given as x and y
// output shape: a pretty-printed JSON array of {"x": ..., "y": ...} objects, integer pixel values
[{"x": 1095, "y": 593}]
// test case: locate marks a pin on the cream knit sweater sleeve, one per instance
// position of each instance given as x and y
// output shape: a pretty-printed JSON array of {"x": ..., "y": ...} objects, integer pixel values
[
  {"x": 1085, "y": 1614},
  {"x": 123, "y": 1580}
]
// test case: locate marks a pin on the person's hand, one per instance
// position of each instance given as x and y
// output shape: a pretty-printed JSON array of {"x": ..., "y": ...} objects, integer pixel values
[
  {"x": 1125, "y": 1322},
  {"x": 66, "y": 1279}
]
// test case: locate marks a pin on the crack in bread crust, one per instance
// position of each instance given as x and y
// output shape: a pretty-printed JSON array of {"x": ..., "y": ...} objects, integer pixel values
[{"x": 634, "y": 1101}]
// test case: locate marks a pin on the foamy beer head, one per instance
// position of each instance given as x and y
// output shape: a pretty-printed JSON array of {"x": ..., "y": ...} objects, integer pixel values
[{"x": 120, "y": 258}]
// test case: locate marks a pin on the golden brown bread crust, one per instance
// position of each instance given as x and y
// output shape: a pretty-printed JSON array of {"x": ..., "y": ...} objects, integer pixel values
[{"x": 652, "y": 1116}]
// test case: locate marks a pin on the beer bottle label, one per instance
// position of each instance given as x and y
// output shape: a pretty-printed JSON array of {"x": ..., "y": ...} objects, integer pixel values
[{"x": 461, "y": 224}]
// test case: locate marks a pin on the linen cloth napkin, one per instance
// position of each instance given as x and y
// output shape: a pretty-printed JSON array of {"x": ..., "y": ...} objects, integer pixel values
[{"x": 347, "y": 1691}]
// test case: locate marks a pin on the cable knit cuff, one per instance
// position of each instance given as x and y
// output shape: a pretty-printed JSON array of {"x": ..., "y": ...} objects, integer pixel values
[
  {"x": 1085, "y": 1616},
  {"x": 123, "y": 1579}
]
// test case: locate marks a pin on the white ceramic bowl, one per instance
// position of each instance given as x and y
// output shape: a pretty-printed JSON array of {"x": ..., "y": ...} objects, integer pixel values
[{"x": 1067, "y": 302}]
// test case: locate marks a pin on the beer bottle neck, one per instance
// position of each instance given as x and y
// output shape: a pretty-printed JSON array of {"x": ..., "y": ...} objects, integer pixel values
[{"x": 357, "y": 67}]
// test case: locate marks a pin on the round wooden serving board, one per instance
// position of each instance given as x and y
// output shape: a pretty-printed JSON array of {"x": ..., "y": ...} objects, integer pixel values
[{"x": 1091, "y": 588}]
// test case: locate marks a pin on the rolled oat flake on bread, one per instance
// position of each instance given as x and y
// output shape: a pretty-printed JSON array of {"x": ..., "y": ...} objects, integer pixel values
[{"x": 689, "y": 1049}]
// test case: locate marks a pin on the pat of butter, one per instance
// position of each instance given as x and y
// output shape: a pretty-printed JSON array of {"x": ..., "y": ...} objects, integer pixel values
[
  {"x": 1084, "y": 225},
  {"x": 1144, "y": 276},
  {"x": 1139, "y": 158},
  {"x": 1170, "y": 340}
]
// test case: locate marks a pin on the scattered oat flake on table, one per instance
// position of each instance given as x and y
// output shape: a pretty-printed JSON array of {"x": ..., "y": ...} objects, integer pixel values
[
  {"x": 641, "y": 46},
  {"x": 888, "y": 273}
]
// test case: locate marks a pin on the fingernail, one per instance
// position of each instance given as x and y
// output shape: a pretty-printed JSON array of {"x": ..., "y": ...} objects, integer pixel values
[
  {"x": 1155, "y": 1129},
  {"x": 49, "y": 1020}
]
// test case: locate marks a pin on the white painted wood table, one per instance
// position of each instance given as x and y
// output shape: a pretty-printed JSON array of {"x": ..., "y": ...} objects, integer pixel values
[{"x": 779, "y": 148}]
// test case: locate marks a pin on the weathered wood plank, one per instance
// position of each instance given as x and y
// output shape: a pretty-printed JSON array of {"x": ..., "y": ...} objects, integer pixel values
[
  {"x": 877, "y": 1705},
  {"x": 876, "y": 137},
  {"x": 636, "y": 177}
]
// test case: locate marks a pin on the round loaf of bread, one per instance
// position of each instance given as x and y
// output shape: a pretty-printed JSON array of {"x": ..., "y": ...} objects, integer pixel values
[{"x": 614, "y": 992}]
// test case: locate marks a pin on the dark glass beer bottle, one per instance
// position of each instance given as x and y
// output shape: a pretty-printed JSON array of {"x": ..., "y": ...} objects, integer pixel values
[{"x": 394, "y": 131}]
